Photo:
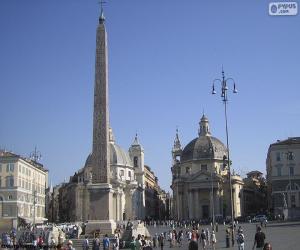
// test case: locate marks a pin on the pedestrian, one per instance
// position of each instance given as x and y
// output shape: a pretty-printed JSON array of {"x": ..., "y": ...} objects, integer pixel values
[
  {"x": 155, "y": 241},
  {"x": 52, "y": 243},
  {"x": 106, "y": 242},
  {"x": 267, "y": 246},
  {"x": 96, "y": 243},
  {"x": 193, "y": 245},
  {"x": 40, "y": 242},
  {"x": 117, "y": 242},
  {"x": 203, "y": 239},
  {"x": 207, "y": 236},
  {"x": 161, "y": 241},
  {"x": 132, "y": 244},
  {"x": 213, "y": 240},
  {"x": 70, "y": 245},
  {"x": 227, "y": 237},
  {"x": 138, "y": 243},
  {"x": 85, "y": 243},
  {"x": 259, "y": 239},
  {"x": 240, "y": 239}
]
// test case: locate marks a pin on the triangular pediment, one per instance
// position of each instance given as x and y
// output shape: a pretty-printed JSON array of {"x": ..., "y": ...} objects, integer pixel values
[{"x": 200, "y": 176}]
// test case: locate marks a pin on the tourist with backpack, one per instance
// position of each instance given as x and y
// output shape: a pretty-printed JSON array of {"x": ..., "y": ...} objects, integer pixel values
[
  {"x": 106, "y": 242},
  {"x": 85, "y": 243},
  {"x": 240, "y": 239}
]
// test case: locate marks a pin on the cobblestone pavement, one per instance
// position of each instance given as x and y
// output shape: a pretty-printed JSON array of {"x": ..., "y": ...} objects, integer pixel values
[{"x": 282, "y": 236}]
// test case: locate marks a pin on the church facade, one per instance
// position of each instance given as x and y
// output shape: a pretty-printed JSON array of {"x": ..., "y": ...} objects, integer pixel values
[{"x": 200, "y": 180}]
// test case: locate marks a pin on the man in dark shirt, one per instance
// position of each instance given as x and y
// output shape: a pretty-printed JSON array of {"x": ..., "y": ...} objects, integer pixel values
[{"x": 259, "y": 239}]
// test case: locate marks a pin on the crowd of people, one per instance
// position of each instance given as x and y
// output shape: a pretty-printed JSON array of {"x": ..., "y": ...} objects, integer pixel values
[{"x": 175, "y": 234}]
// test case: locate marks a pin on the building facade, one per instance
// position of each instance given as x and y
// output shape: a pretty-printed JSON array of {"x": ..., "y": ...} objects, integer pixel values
[
  {"x": 254, "y": 195},
  {"x": 156, "y": 199},
  {"x": 22, "y": 188},
  {"x": 283, "y": 178},
  {"x": 200, "y": 180}
]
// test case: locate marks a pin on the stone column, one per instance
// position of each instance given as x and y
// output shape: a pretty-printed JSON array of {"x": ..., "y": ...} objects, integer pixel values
[
  {"x": 190, "y": 198},
  {"x": 117, "y": 206},
  {"x": 197, "y": 212}
]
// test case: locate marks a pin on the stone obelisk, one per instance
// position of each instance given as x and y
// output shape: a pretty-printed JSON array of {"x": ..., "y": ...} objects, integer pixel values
[
  {"x": 100, "y": 189},
  {"x": 100, "y": 153}
]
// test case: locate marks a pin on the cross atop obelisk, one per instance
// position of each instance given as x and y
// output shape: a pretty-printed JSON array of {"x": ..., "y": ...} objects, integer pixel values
[{"x": 101, "y": 169}]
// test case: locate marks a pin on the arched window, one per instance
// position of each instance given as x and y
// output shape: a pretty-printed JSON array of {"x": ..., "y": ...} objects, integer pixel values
[{"x": 292, "y": 186}]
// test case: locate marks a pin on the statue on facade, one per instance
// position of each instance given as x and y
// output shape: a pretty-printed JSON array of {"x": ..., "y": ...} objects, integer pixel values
[{"x": 284, "y": 201}]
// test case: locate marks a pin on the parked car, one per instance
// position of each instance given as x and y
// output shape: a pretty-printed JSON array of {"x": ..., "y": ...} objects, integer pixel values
[{"x": 260, "y": 218}]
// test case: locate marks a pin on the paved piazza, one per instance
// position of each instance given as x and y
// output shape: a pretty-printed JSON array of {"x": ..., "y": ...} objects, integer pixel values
[{"x": 282, "y": 236}]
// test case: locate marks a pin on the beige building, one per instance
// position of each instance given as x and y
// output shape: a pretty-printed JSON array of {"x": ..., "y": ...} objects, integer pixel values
[
  {"x": 199, "y": 179},
  {"x": 156, "y": 199},
  {"x": 283, "y": 178},
  {"x": 22, "y": 188}
]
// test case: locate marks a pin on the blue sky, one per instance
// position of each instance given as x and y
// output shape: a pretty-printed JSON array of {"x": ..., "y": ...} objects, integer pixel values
[{"x": 163, "y": 57}]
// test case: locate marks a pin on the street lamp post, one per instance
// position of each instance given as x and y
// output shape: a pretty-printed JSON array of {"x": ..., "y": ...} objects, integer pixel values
[
  {"x": 224, "y": 88},
  {"x": 211, "y": 149}
]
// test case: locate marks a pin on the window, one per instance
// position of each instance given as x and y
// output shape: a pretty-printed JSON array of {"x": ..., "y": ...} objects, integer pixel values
[
  {"x": 9, "y": 181},
  {"x": 0, "y": 181},
  {"x": 290, "y": 156},
  {"x": 10, "y": 167},
  {"x": 135, "y": 161},
  {"x": 204, "y": 167},
  {"x": 122, "y": 172},
  {"x": 187, "y": 170},
  {"x": 129, "y": 174},
  {"x": 278, "y": 156},
  {"x": 278, "y": 171},
  {"x": 0, "y": 167},
  {"x": 291, "y": 171},
  {"x": 9, "y": 197}
]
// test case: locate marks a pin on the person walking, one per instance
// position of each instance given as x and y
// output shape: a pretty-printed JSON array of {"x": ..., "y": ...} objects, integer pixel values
[
  {"x": 240, "y": 239},
  {"x": 259, "y": 239},
  {"x": 161, "y": 241},
  {"x": 213, "y": 240},
  {"x": 203, "y": 239}
]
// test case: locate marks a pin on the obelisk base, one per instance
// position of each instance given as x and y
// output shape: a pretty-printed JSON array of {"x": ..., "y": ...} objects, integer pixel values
[
  {"x": 100, "y": 226},
  {"x": 101, "y": 208}
]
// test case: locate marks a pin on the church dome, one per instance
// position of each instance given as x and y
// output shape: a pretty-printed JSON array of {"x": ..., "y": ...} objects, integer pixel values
[
  {"x": 205, "y": 146},
  {"x": 201, "y": 148},
  {"x": 118, "y": 156}
]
